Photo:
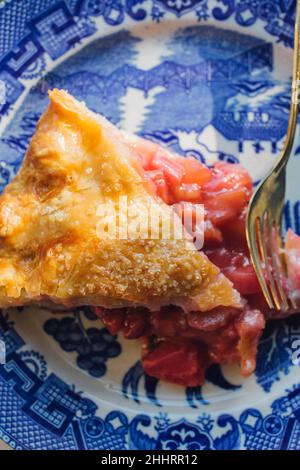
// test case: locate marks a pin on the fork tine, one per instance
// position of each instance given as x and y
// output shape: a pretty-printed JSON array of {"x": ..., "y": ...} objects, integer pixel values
[
  {"x": 256, "y": 254},
  {"x": 277, "y": 262},
  {"x": 265, "y": 259}
]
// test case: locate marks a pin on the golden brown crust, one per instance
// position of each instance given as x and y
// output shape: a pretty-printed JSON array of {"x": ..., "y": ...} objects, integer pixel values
[{"x": 49, "y": 245}]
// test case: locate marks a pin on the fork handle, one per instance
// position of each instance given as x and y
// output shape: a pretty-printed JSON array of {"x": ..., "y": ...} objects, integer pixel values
[{"x": 295, "y": 95}]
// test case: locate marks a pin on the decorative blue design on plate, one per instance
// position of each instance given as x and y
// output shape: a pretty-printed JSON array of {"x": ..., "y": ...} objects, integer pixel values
[
  {"x": 94, "y": 346},
  {"x": 275, "y": 350},
  {"x": 131, "y": 382},
  {"x": 135, "y": 379},
  {"x": 216, "y": 91},
  {"x": 180, "y": 7},
  {"x": 63, "y": 418},
  {"x": 276, "y": 16}
]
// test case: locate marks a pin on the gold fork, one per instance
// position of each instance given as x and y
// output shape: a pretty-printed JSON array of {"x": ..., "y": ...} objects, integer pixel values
[{"x": 264, "y": 217}]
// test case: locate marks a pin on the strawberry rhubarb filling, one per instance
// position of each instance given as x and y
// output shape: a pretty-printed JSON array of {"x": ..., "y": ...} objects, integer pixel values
[{"x": 177, "y": 346}]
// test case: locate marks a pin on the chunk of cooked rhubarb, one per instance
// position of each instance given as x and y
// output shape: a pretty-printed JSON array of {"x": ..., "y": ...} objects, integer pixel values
[
  {"x": 236, "y": 265},
  {"x": 292, "y": 254},
  {"x": 179, "y": 363}
]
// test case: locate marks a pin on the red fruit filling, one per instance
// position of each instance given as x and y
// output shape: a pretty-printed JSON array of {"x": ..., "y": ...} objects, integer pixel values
[
  {"x": 183, "y": 363},
  {"x": 184, "y": 345}
]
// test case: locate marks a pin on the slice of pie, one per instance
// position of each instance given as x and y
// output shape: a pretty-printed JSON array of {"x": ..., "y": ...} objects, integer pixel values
[
  {"x": 51, "y": 252},
  {"x": 191, "y": 308}
]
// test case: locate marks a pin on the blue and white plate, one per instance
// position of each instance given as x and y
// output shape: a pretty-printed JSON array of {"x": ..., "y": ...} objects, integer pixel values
[{"x": 209, "y": 78}]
